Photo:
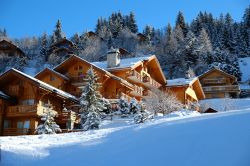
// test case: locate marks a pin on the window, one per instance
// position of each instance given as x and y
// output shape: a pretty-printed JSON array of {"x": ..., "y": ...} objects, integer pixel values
[
  {"x": 76, "y": 68},
  {"x": 28, "y": 102},
  {"x": 23, "y": 124},
  {"x": 52, "y": 78},
  {"x": 6, "y": 124},
  {"x": 80, "y": 74},
  {"x": 80, "y": 67}
]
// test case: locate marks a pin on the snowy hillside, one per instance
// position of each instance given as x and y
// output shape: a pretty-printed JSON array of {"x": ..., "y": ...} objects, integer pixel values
[
  {"x": 211, "y": 139},
  {"x": 244, "y": 64}
]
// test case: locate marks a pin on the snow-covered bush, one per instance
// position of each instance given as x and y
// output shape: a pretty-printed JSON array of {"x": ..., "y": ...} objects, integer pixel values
[
  {"x": 92, "y": 121},
  {"x": 49, "y": 125},
  {"x": 123, "y": 106},
  {"x": 134, "y": 106},
  {"x": 141, "y": 114},
  {"x": 162, "y": 102},
  {"x": 92, "y": 104}
]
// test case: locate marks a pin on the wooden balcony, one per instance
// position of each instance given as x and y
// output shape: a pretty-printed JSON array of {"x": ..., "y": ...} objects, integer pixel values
[
  {"x": 15, "y": 90},
  {"x": 150, "y": 82},
  {"x": 227, "y": 88},
  {"x": 66, "y": 116},
  {"x": 79, "y": 81},
  {"x": 21, "y": 110},
  {"x": 138, "y": 91},
  {"x": 209, "y": 81},
  {"x": 17, "y": 131},
  {"x": 135, "y": 76}
]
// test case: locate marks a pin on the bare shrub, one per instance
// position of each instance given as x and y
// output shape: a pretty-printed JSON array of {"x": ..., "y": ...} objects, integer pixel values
[{"x": 162, "y": 102}]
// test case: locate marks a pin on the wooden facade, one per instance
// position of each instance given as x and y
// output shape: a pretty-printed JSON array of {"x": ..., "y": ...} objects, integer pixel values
[
  {"x": 9, "y": 49},
  {"x": 187, "y": 91},
  {"x": 218, "y": 84},
  {"x": 31, "y": 95}
]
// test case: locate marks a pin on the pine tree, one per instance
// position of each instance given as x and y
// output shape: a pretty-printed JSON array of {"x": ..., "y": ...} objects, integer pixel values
[
  {"x": 123, "y": 107},
  {"x": 49, "y": 125},
  {"x": 246, "y": 30},
  {"x": 132, "y": 23},
  {"x": 91, "y": 102},
  {"x": 44, "y": 47},
  {"x": 148, "y": 31},
  {"x": 180, "y": 21},
  {"x": 205, "y": 46},
  {"x": 58, "y": 34}
]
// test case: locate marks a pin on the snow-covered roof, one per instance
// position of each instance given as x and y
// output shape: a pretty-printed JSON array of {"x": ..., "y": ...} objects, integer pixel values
[
  {"x": 125, "y": 63},
  {"x": 180, "y": 81},
  {"x": 46, "y": 86},
  {"x": 217, "y": 69}
]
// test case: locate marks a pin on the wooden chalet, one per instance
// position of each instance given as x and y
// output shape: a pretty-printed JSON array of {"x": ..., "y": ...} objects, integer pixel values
[
  {"x": 144, "y": 73},
  {"x": 70, "y": 76},
  {"x": 219, "y": 84},
  {"x": 142, "y": 38},
  {"x": 62, "y": 47},
  {"x": 131, "y": 77},
  {"x": 7, "y": 48},
  {"x": 187, "y": 91},
  {"x": 24, "y": 99}
]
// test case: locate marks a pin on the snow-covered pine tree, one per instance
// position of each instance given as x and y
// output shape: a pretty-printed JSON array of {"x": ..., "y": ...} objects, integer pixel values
[
  {"x": 49, "y": 125},
  {"x": 134, "y": 106},
  {"x": 132, "y": 23},
  {"x": 123, "y": 106},
  {"x": 58, "y": 34},
  {"x": 91, "y": 102},
  {"x": 142, "y": 114},
  {"x": 180, "y": 21}
]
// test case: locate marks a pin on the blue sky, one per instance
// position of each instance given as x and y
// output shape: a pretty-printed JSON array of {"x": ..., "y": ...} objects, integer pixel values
[{"x": 24, "y": 18}]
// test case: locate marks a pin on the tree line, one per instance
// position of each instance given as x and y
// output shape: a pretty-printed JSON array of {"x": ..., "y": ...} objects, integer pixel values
[{"x": 204, "y": 43}]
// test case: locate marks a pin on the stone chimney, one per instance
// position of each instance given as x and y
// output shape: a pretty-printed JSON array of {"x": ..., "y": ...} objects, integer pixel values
[{"x": 113, "y": 58}]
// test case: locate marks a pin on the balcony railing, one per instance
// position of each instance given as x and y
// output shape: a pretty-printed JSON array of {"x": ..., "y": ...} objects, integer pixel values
[
  {"x": 21, "y": 109},
  {"x": 214, "y": 81},
  {"x": 78, "y": 80},
  {"x": 65, "y": 116},
  {"x": 17, "y": 131},
  {"x": 151, "y": 82},
  {"x": 138, "y": 91},
  {"x": 135, "y": 76},
  {"x": 228, "y": 88}
]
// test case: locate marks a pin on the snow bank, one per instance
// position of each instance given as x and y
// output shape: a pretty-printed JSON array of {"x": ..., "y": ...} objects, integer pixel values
[
  {"x": 226, "y": 104},
  {"x": 217, "y": 139}
]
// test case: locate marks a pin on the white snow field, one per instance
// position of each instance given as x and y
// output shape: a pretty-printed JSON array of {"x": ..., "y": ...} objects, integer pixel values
[{"x": 181, "y": 139}]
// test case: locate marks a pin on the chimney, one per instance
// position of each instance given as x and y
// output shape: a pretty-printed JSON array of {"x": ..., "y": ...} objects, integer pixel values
[{"x": 113, "y": 58}]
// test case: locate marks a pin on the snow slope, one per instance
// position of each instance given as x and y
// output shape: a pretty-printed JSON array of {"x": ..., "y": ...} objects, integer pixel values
[
  {"x": 244, "y": 64},
  {"x": 211, "y": 139},
  {"x": 226, "y": 104}
]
